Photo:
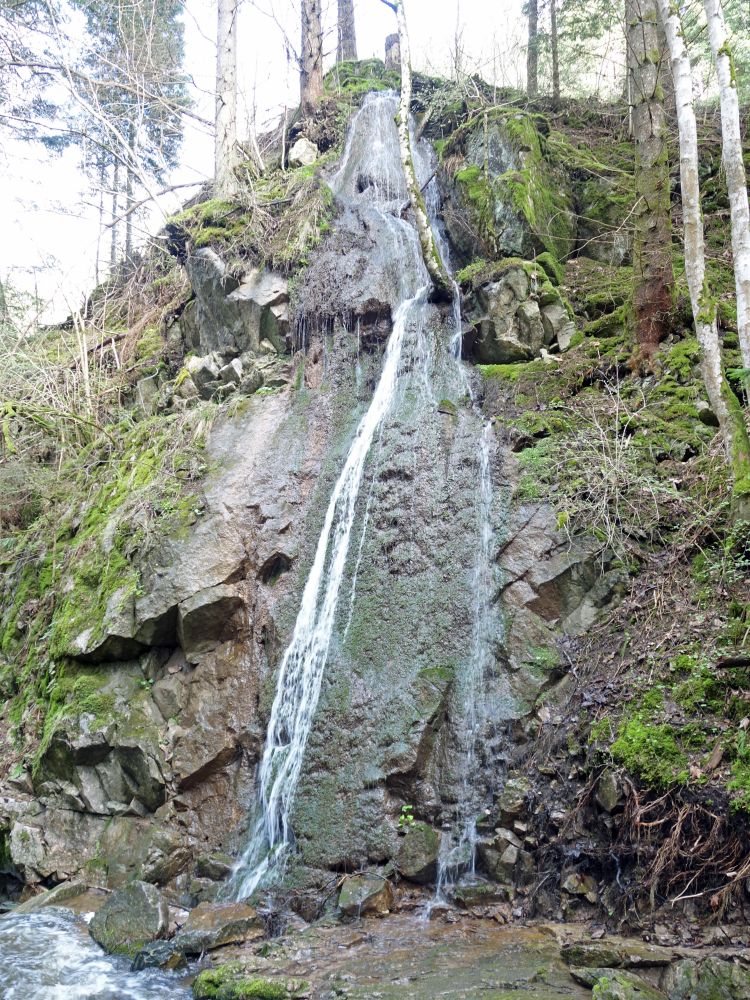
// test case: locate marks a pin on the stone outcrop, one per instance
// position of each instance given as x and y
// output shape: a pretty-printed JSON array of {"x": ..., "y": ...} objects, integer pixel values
[{"x": 514, "y": 315}]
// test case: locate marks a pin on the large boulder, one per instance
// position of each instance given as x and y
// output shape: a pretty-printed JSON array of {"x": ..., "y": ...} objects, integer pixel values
[
  {"x": 712, "y": 978},
  {"x": 418, "y": 854},
  {"x": 131, "y": 918},
  {"x": 504, "y": 196},
  {"x": 210, "y": 926},
  {"x": 513, "y": 312},
  {"x": 366, "y": 894}
]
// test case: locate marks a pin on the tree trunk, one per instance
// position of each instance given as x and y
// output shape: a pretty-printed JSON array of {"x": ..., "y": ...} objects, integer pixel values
[
  {"x": 225, "y": 149},
  {"x": 653, "y": 280},
  {"x": 311, "y": 59},
  {"x": 532, "y": 53},
  {"x": 443, "y": 288},
  {"x": 115, "y": 207},
  {"x": 347, "y": 47},
  {"x": 723, "y": 401},
  {"x": 554, "y": 45},
  {"x": 129, "y": 194},
  {"x": 734, "y": 168}
]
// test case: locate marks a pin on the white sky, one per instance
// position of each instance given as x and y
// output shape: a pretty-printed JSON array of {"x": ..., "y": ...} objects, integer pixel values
[{"x": 48, "y": 227}]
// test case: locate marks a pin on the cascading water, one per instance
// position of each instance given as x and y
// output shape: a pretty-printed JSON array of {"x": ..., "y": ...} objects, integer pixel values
[
  {"x": 458, "y": 848},
  {"x": 371, "y": 177}
]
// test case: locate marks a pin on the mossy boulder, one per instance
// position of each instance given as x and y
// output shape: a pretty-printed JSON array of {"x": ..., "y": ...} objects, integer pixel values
[
  {"x": 505, "y": 197},
  {"x": 616, "y": 985},
  {"x": 232, "y": 981},
  {"x": 418, "y": 854},
  {"x": 710, "y": 979},
  {"x": 130, "y": 919}
]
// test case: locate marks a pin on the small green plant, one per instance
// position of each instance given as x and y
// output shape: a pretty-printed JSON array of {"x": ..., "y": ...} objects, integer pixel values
[
  {"x": 406, "y": 820},
  {"x": 146, "y": 683}
]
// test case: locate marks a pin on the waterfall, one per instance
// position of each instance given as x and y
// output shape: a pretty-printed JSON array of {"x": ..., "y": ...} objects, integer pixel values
[
  {"x": 371, "y": 177},
  {"x": 458, "y": 849}
]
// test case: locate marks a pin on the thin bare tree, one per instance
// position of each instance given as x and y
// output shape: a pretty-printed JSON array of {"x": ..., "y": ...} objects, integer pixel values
[
  {"x": 225, "y": 149},
  {"x": 724, "y": 403},
  {"x": 311, "y": 55},
  {"x": 734, "y": 168},
  {"x": 347, "y": 33},
  {"x": 442, "y": 286}
]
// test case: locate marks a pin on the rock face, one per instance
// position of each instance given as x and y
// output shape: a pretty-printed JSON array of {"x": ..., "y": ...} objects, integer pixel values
[
  {"x": 503, "y": 196},
  {"x": 515, "y": 314},
  {"x": 130, "y": 919},
  {"x": 152, "y": 763}
]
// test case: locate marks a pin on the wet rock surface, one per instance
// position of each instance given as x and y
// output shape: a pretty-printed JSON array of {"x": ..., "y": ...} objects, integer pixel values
[{"x": 131, "y": 918}]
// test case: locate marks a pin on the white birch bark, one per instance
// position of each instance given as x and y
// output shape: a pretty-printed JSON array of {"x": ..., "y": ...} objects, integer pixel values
[
  {"x": 723, "y": 402},
  {"x": 226, "y": 100},
  {"x": 439, "y": 276},
  {"x": 734, "y": 168}
]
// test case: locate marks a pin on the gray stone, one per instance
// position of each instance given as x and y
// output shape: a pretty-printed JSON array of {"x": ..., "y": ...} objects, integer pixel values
[
  {"x": 147, "y": 395},
  {"x": 211, "y": 925},
  {"x": 558, "y": 325},
  {"x": 205, "y": 616},
  {"x": 204, "y": 373},
  {"x": 513, "y": 798},
  {"x": 365, "y": 894},
  {"x": 608, "y": 791},
  {"x": 159, "y": 955},
  {"x": 303, "y": 153},
  {"x": 131, "y": 918},
  {"x": 214, "y": 866},
  {"x": 576, "y": 884},
  {"x": 418, "y": 853},
  {"x": 58, "y": 896}
]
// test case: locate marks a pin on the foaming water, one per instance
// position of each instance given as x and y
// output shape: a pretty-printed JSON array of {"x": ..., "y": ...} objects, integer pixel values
[{"x": 50, "y": 956}]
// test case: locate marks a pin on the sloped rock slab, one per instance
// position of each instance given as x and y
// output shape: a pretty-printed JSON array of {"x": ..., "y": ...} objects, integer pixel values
[
  {"x": 363, "y": 894},
  {"x": 209, "y": 926}
]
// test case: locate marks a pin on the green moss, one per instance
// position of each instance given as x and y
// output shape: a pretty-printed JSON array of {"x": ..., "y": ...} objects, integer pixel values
[
  {"x": 650, "y": 751},
  {"x": 231, "y": 982},
  {"x": 551, "y": 267}
]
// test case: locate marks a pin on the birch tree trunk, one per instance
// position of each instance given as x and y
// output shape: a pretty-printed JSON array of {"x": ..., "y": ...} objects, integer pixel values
[
  {"x": 115, "y": 209},
  {"x": 311, "y": 58},
  {"x": 652, "y": 263},
  {"x": 347, "y": 47},
  {"x": 734, "y": 168},
  {"x": 555, "y": 48},
  {"x": 532, "y": 52},
  {"x": 226, "y": 100},
  {"x": 723, "y": 401},
  {"x": 442, "y": 285}
]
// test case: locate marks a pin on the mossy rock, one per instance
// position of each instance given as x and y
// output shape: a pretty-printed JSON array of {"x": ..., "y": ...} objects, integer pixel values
[
  {"x": 130, "y": 919},
  {"x": 233, "y": 982},
  {"x": 515, "y": 200}
]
